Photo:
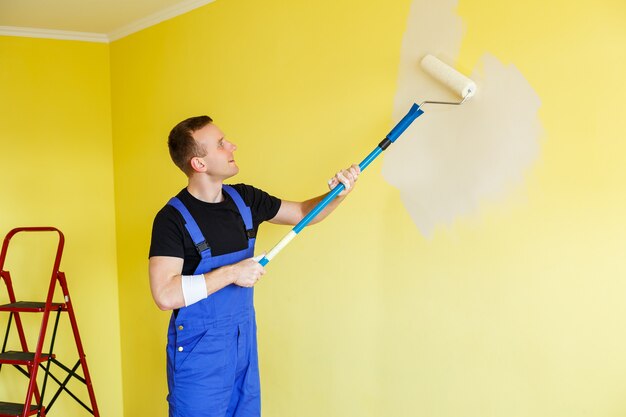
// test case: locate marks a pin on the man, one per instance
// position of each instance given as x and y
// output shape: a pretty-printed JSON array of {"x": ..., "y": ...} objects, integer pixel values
[{"x": 202, "y": 267}]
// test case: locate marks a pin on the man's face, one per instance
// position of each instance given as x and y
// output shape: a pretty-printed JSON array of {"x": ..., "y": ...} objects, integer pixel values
[{"x": 219, "y": 159}]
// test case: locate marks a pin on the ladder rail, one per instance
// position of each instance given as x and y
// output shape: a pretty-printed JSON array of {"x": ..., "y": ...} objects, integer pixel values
[
  {"x": 13, "y": 232},
  {"x": 79, "y": 343},
  {"x": 6, "y": 275}
]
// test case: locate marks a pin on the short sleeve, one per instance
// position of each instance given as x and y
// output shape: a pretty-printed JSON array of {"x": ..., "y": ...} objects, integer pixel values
[
  {"x": 167, "y": 234},
  {"x": 263, "y": 205}
]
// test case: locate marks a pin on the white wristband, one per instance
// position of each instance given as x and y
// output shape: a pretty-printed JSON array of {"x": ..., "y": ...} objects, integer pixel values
[{"x": 194, "y": 289}]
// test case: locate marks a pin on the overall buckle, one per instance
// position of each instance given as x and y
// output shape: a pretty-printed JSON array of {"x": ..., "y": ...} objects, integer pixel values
[{"x": 202, "y": 246}]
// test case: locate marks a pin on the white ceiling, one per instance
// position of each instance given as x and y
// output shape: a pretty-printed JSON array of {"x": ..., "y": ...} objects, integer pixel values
[{"x": 107, "y": 19}]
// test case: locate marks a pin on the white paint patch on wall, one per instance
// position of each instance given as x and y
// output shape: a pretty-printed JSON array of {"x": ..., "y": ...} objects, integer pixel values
[{"x": 453, "y": 157}]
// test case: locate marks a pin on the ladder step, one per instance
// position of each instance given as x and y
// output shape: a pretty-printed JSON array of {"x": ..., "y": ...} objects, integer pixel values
[
  {"x": 31, "y": 307},
  {"x": 12, "y": 357},
  {"x": 15, "y": 409}
]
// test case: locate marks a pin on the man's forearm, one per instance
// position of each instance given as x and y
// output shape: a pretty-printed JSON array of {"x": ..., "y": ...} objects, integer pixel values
[{"x": 309, "y": 205}]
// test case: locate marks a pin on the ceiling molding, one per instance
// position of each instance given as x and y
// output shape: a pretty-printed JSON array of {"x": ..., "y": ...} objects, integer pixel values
[
  {"x": 53, "y": 34},
  {"x": 136, "y": 26},
  {"x": 158, "y": 17}
]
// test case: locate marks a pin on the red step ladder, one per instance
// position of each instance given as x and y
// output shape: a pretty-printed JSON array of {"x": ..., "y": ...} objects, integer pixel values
[{"x": 28, "y": 362}]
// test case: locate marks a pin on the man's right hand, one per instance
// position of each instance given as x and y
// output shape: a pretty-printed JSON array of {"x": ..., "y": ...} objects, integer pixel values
[{"x": 247, "y": 272}]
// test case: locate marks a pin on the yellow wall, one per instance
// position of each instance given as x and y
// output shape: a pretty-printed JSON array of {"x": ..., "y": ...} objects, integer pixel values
[
  {"x": 514, "y": 311},
  {"x": 56, "y": 170},
  {"x": 552, "y": 283}
]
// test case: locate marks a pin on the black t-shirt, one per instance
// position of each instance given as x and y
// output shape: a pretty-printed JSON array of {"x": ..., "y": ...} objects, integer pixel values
[{"x": 220, "y": 223}]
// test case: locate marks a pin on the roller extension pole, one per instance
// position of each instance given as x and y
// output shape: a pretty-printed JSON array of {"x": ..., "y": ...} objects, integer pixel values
[
  {"x": 406, "y": 121},
  {"x": 448, "y": 76}
]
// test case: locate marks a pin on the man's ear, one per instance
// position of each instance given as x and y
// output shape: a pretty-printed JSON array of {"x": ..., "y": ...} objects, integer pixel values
[{"x": 197, "y": 164}]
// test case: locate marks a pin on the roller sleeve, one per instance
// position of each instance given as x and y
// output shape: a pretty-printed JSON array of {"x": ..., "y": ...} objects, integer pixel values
[{"x": 448, "y": 76}]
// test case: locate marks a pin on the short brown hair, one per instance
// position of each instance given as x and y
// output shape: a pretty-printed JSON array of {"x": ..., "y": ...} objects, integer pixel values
[{"x": 182, "y": 145}]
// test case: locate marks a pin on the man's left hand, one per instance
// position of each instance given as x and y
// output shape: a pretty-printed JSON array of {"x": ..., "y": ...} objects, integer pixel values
[{"x": 347, "y": 177}]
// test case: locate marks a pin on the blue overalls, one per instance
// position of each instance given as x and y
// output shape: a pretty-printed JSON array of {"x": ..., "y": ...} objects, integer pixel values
[{"x": 212, "y": 360}]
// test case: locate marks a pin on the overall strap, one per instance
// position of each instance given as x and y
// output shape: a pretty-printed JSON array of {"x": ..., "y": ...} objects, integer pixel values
[
  {"x": 192, "y": 227},
  {"x": 244, "y": 210}
]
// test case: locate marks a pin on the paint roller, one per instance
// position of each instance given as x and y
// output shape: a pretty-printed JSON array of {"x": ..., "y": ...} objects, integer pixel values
[{"x": 446, "y": 75}]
